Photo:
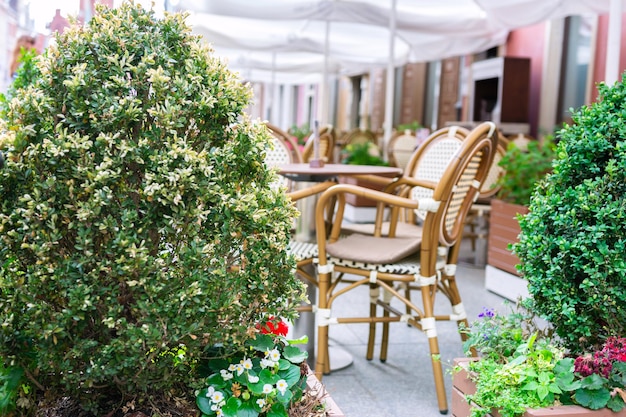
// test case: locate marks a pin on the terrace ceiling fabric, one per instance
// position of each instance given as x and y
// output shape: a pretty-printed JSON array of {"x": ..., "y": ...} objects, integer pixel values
[
  {"x": 359, "y": 32},
  {"x": 303, "y": 37}
]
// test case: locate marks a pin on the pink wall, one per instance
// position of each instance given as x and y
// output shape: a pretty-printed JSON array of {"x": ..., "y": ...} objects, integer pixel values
[
  {"x": 529, "y": 43},
  {"x": 600, "y": 67}
]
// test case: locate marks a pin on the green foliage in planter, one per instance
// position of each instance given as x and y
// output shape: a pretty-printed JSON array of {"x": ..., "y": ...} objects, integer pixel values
[
  {"x": 414, "y": 126},
  {"x": 531, "y": 378},
  {"x": 301, "y": 133},
  {"x": 137, "y": 221},
  {"x": 519, "y": 367},
  {"x": 573, "y": 241},
  {"x": 523, "y": 169},
  {"x": 522, "y": 366},
  {"x": 362, "y": 153}
]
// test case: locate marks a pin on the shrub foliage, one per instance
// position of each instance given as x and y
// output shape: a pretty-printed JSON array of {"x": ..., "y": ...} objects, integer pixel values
[
  {"x": 573, "y": 242},
  {"x": 137, "y": 224}
]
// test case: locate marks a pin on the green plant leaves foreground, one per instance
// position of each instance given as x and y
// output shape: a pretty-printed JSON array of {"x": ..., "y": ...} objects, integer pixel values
[
  {"x": 573, "y": 240},
  {"x": 136, "y": 214}
]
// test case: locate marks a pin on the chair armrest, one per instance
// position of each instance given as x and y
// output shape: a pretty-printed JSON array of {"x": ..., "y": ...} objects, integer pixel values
[
  {"x": 376, "y": 179},
  {"x": 309, "y": 191},
  {"x": 337, "y": 194},
  {"x": 411, "y": 182}
]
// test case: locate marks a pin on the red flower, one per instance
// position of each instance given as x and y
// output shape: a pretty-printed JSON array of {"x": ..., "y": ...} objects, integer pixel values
[{"x": 274, "y": 326}]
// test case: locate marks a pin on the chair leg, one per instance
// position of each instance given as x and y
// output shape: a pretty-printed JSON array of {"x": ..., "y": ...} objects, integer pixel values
[
  {"x": 384, "y": 343},
  {"x": 372, "y": 334},
  {"x": 374, "y": 295},
  {"x": 322, "y": 366},
  {"x": 429, "y": 327},
  {"x": 438, "y": 374}
]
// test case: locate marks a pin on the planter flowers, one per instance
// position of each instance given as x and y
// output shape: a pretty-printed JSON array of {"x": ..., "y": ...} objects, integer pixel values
[
  {"x": 263, "y": 379},
  {"x": 520, "y": 367}
]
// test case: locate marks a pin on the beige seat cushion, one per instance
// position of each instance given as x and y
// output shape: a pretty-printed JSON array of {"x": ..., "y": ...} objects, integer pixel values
[
  {"x": 373, "y": 250},
  {"x": 403, "y": 229}
]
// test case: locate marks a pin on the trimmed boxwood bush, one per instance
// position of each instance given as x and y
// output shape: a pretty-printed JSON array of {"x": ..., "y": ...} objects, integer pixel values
[
  {"x": 137, "y": 222},
  {"x": 573, "y": 242}
]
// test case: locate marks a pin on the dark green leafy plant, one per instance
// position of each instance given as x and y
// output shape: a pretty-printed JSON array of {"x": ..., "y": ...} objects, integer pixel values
[
  {"x": 523, "y": 169},
  {"x": 414, "y": 126},
  {"x": 301, "y": 133},
  {"x": 573, "y": 240},
  {"x": 137, "y": 221},
  {"x": 11, "y": 387},
  {"x": 362, "y": 153}
]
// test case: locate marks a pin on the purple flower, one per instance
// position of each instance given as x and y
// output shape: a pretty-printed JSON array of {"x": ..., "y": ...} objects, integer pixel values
[{"x": 487, "y": 312}]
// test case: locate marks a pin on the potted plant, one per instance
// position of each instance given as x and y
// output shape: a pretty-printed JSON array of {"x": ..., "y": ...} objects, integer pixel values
[
  {"x": 138, "y": 227},
  {"x": 523, "y": 371},
  {"x": 571, "y": 253},
  {"x": 525, "y": 164},
  {"x": 269, "y": 376},
  {"x": 300, "y": 133},
  {"x": 361, "y": 209}
]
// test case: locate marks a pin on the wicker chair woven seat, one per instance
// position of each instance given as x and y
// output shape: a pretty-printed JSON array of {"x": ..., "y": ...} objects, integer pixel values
[{"x": 302, "y": 250}]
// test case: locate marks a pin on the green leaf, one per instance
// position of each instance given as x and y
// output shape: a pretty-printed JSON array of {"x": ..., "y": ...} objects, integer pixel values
[
  {"x": 283, "y": 364},
  {"x": 277, "y": 410},
  {"x": 593, "y": 382},
  {"x": 267, "y": 377},
  {"x": 531, "y": 386},
  {"x": 295, "y": 354},
  {"x": 217, "y": 381},
  {"x": 247, "y": 409},
  {"x": 302, "y": 341},
  {"x": 285, "y": 398},
  {"x": 257, "y": 388},
  {"x": 291, "y": 375},
  {"x": 592, "y": 398},
  {"x": 262, "y": 342},
  {"x": 204, "y": 403},
  {"x": 616, "y": 403},
  {"x": 231, "y": 408}
]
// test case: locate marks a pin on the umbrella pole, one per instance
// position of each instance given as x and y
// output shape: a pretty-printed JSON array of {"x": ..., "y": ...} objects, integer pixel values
[{"x": 390, "y": 84}]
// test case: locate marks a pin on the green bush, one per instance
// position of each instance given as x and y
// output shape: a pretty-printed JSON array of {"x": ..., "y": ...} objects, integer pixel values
[
  {"x": 573, "y": 242},
  {"x": 137, "y": 222},
  {"x": 523, "y": 169}
]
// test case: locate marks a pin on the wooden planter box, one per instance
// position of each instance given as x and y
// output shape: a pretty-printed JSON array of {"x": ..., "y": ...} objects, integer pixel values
[
  {"x": 315, "y": 386},
  {"x": 462, "y": 386},
  {"x": 503, "y": 230}
]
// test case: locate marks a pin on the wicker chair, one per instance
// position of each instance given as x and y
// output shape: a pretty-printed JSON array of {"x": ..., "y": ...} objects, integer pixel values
[
  {"x": 382, "y": 262},
  {"x": 426, "y": 163},
  {"x": 326, "y": 146},
  {"x": 478, "y": 216},
  {"x": 284, "y": 151},
  {"x": 401, "y": 147}
]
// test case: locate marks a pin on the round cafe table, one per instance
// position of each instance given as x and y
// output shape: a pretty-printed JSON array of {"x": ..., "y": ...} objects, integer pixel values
[
  {"x": 304, "y": 175},
  {"x": 304, "y": 172}
]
